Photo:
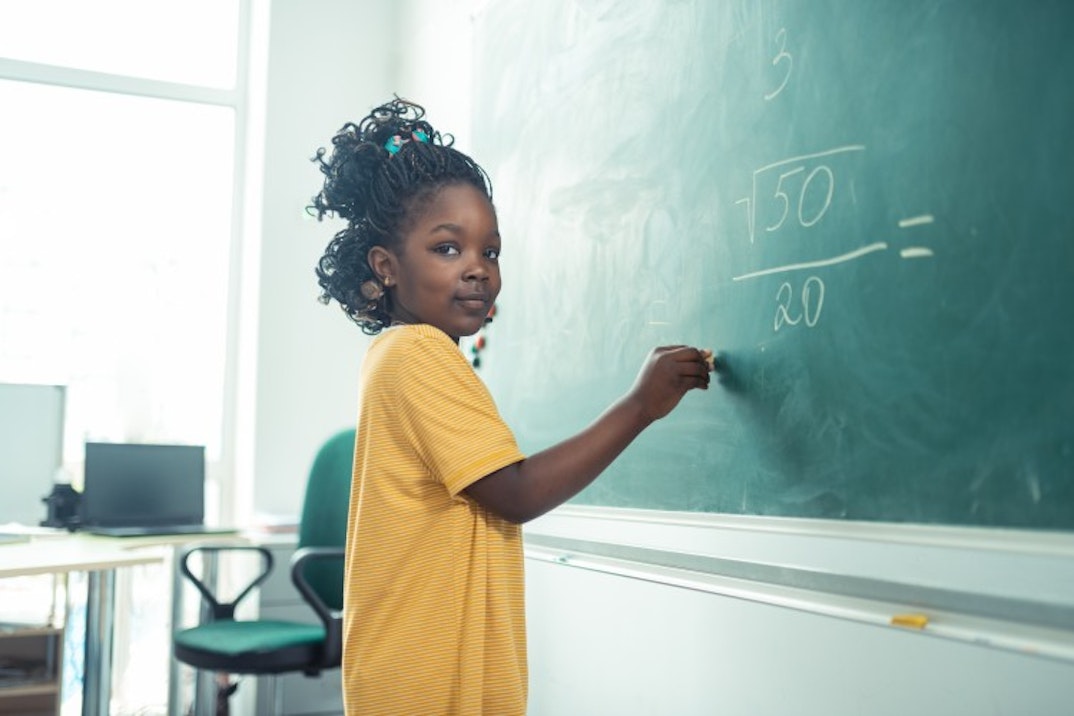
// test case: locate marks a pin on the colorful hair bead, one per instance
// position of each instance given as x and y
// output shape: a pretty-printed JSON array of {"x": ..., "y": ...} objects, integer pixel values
[{"x": 396, "y": 142}]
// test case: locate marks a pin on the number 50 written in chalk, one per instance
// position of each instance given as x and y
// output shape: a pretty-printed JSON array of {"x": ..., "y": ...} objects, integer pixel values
[
  {"x": 798, "y": 187},
  {"x": 818, "y": 213}
]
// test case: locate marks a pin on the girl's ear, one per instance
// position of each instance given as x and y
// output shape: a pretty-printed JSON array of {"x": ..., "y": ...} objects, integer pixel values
[{"x": 383, "y": 264}]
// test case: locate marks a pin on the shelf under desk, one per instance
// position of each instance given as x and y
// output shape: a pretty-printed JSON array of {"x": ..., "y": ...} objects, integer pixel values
[{"x": 61, "y": 553}]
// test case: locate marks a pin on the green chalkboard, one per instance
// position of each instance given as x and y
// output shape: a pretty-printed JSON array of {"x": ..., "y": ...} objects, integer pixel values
[{"x": 865, "y": 207}]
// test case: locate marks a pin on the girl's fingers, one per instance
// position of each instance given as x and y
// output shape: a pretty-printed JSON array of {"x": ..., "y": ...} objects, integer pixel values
[
  {"x": 689, "y": 353},
  {"x": 702, "y": 356},
  {"x": 692, "y": 365}
]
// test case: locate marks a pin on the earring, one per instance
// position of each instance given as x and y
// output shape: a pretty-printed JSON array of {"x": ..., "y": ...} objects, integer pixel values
[{"x": 371, "y": 290}]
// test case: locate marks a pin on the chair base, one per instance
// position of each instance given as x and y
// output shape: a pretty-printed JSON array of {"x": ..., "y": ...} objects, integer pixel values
[{"x": 217, "y": 702}]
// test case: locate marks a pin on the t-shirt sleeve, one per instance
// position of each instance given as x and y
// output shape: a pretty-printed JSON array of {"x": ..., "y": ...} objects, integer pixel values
[{"x": 450, "y": 416}]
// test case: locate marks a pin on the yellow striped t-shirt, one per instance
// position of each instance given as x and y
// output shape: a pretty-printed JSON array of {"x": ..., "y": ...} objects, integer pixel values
[{"x": 433, "y": 610}]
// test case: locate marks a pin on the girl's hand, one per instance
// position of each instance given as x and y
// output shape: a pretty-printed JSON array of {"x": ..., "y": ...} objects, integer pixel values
[{"x": 665, "y": 377}]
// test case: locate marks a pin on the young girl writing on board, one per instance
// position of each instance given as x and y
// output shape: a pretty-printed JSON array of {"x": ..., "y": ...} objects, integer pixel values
[{"x": 433, "y": 616}]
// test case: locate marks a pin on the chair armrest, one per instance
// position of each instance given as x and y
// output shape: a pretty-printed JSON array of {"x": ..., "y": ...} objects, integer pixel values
[
  {"x": 226, "y": 610},
  {"x": 332, "y": 618}
]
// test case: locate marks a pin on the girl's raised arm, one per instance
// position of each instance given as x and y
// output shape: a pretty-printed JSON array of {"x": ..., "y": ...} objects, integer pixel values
[{"x": 528, "y": 489}]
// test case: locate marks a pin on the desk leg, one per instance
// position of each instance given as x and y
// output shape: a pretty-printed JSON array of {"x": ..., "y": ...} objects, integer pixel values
[
  {"x": 205, "y": 685},
  {"x": 97, "y": 667},
  {"x": 174, "y": 692}
]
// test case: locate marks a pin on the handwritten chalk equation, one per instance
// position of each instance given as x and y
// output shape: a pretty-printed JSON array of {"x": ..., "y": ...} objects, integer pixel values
[{"x": 796, "y": 194}]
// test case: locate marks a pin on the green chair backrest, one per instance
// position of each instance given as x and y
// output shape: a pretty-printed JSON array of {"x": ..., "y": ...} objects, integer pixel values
[{"x": 324, "y": 513}]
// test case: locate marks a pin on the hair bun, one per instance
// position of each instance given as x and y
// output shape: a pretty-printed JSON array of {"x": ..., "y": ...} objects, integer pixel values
[{"x": 359, "y": 151}]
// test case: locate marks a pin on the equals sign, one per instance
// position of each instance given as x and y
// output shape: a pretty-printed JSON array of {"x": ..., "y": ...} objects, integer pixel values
[{"x": 916, "y": 252}]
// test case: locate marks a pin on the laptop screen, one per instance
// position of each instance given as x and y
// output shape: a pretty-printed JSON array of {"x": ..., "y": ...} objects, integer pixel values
[{"x": 139, "y": 485}]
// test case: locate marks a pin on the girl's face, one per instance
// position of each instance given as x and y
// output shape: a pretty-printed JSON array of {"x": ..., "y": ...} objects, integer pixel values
[{"x": 446, "y": 272}]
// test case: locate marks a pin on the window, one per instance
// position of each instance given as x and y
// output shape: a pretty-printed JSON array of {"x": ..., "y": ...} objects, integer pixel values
[
  {"x": 122, "y": 146},
  {"x": 192, "y": 42},
  {"x": 118, "y": 211}
]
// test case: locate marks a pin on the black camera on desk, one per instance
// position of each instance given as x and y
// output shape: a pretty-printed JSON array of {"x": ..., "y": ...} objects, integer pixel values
[{"x": 64, "y": 504}]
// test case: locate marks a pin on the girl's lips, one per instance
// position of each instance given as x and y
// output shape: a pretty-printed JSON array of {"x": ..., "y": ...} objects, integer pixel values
[{"x": 476, "y": 303}]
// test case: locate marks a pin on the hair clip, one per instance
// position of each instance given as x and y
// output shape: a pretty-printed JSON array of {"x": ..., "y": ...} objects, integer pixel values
[{"x": 396, "y": 142}]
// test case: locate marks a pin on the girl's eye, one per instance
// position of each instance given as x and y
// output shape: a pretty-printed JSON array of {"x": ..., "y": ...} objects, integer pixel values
[
  {"x": 446, "y": 250},
  {"x": 493, "y": 254}
]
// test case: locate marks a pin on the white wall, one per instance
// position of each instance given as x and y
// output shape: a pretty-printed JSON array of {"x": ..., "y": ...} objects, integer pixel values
[
  {"x": 437, "y": 69},
  {"x": 330, "y": 61}
]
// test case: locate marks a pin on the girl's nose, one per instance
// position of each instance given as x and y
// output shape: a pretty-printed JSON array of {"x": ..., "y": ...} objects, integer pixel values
[{"x": 476, "y": 270}]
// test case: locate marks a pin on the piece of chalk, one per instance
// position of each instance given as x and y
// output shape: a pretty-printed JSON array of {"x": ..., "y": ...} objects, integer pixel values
[
  {"x": 706, "y": 353},
  {"x": 913, "y": 621}
]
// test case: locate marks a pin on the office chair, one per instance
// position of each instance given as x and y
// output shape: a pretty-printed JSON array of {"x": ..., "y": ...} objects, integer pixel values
[{"x": 269, "y": 647}]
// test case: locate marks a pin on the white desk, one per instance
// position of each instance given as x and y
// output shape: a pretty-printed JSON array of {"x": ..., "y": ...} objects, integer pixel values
[
  {"x": 57, "y": 554},
  {"x": 99, "y": 558}
]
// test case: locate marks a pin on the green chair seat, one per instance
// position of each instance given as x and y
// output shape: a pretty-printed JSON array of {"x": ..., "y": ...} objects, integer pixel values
[{"x": 242, "y": 637}]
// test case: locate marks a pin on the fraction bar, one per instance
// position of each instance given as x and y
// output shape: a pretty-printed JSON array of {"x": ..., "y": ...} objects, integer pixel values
[
  {"x": 849, "y": 256},
  {"x": 916, "y": 252}
]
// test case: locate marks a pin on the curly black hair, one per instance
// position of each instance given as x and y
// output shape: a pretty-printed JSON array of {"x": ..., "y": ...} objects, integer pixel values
[{"x": 379, "y": 175}]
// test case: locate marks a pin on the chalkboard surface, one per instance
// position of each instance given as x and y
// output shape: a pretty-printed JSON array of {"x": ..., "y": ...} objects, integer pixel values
[{"x": 865, "y": 207}]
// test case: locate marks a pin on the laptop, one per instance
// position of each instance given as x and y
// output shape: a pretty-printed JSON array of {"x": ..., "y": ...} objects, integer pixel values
[{"x": 133, "y": 490}]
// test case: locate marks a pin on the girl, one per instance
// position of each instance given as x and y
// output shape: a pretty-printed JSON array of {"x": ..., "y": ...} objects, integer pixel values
[{"x": 433, "y": 616}]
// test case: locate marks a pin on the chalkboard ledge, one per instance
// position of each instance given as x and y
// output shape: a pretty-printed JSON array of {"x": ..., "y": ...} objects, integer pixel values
[{"x": 964, "y": 559}]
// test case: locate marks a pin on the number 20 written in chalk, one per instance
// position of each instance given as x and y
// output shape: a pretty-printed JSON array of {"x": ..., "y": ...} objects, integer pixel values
[{"x": 806, "y": 309}]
